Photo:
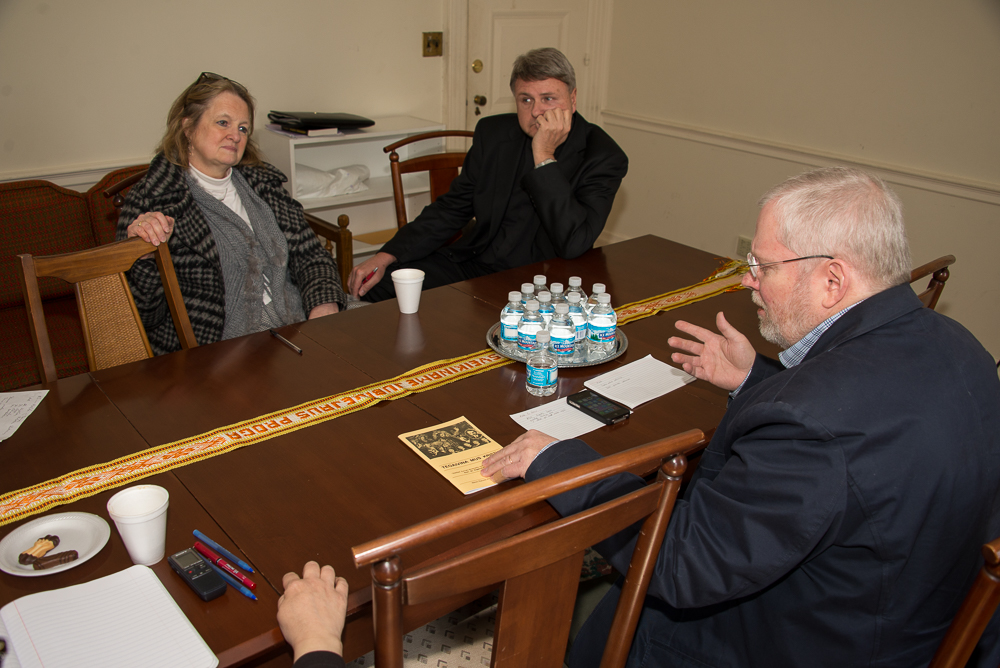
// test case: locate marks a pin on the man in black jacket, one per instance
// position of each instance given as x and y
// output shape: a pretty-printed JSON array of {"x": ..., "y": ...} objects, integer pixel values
[{"x": 539, "y": 184}]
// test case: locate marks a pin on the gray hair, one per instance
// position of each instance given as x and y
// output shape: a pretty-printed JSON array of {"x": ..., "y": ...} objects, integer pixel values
[
  {"x": 847, "y": 213},
  {"x": 541, "y": 64}
]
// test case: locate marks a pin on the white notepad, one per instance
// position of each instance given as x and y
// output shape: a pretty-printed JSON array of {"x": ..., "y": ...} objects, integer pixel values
[
  {"x": 640, "y": 381},
  {"x": 125, "y": 619}
]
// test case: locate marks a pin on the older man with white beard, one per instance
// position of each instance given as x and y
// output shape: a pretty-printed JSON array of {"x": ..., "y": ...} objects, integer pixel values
[{"x": 836, "y": 515}]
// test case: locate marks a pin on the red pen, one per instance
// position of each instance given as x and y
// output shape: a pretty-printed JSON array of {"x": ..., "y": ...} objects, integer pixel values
[
  {"x": 219, "y": 561},
  {"x": 369, "y": 276}
]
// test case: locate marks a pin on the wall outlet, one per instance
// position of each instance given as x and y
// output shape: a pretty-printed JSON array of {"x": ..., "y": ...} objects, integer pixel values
[{"x": 743, "y": 247}]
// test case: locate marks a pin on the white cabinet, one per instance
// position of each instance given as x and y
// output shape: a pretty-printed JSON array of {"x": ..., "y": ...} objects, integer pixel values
[{"x": 372, "y": 210}]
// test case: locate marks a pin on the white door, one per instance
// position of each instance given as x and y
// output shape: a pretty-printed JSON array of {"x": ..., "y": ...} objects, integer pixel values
[{"x": 501, "y": 30}]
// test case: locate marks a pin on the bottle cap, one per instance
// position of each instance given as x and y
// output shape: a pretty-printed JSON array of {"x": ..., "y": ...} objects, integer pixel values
[
  {"x": 531, "y": 304},
  {"x": 539, "y": 279},
  {"x": 556, "y": 287},
  {"x": 564, "y": 308},
  {"x": 575, "y": 281},
  {"x": 513, "y": 296},
  {"x": 573, "y": 297},
  {"x": 598, "y": 288},
  {"x": 604, "y": 298},
  {"x": 542, "y": 336},
  {"x": 544, "y": 296},
  {"x": 527, "y": 289}
]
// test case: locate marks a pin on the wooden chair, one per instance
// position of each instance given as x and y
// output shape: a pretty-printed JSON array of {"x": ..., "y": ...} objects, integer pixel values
[
  {"x": 337, "y": 238},
  {"x": 442, "y": 168},
  {"x": 972, "y": 617},
  {"x": 938, "y": 271},
  {"x": 538, "y": 570},
  {"x": 339, "y": 242},
  {"x": 112, "y": 331}
]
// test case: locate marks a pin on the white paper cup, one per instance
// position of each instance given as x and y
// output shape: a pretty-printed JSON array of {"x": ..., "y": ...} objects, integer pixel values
[
  {"x": 140, "y": 513},
  {"x": 408, "y": 283}
]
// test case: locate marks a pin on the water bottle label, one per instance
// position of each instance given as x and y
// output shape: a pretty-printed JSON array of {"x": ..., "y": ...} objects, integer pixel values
[
  {"x": 581, "y": 331},
  {"x": 542, "y": 377},
  {"x": 561, "y": 346},
  {"x": 509, "y": 332},
  {"x": 602, "y": 334},
  {"x": 525, "y": 342}
]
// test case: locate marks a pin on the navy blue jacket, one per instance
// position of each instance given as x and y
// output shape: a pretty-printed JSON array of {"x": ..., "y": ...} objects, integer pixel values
[{"x": 837, "y": 514}]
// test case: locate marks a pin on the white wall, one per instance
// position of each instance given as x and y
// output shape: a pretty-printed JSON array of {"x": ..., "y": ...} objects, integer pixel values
[
  {"x": 714, "y": 102},
  {"x": 87, "y": 85}
]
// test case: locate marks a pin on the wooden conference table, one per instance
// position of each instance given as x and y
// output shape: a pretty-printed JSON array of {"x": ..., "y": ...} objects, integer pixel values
[{"x": 316, "y": 492}]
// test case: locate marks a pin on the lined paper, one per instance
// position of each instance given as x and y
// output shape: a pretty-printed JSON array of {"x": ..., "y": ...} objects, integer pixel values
[
  {"x": 640, "y": 381},
  {"x": 119, "y": 621}
]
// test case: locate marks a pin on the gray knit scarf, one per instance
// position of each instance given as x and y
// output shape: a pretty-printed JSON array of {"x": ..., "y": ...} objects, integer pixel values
[{"x": 252, "y": 261}]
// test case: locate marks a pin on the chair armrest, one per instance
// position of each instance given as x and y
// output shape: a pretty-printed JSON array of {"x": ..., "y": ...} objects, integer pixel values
[{"x": 336, "y": 235}]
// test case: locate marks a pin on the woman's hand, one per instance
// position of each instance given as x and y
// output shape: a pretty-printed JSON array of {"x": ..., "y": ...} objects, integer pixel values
[{"x": 152, "y": 226}]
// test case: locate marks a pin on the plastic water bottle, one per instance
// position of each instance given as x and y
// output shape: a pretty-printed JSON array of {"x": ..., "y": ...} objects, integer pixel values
[
  {"x": 545, "y": 307},
  {"x": 529, "y": 325},
  {"x": 527, "y": 292},
  {"x": 510, "y": 316},
  {"x": 592, "y": 302},
  {"x": 540, "y": 284},
  {"x": 576, "y": 286},
  {"x": 562, "y": 332},
  {"x": 543, "y": 370},
  {"x": 558, "y": 297},
  {"x": 579, "y": 318},
  {"x": 602, "y": 325}
]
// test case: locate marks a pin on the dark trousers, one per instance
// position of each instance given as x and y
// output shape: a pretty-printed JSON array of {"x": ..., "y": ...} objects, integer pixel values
[{"x": 438, "y": 270}]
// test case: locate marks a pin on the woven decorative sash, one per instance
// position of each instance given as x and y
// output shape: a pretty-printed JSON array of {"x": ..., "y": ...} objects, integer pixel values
[{"x": 86, "y": 482}]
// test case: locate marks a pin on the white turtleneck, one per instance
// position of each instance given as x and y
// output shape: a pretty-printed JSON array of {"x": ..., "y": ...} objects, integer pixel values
[{"x": 222, "y": 190}]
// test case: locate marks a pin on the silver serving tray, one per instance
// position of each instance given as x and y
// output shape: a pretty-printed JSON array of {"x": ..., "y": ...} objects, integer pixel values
[{"x": 589, "y": 358}]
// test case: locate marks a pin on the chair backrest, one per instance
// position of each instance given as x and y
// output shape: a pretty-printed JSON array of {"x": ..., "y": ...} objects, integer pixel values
[
  {"x": 442, "y": 168},
  {"x": 972, "y": 617},
  {"x": 539, "y": 569},
  {"x": 112, "y": 330},
  {"x": 938, "y": 271}
]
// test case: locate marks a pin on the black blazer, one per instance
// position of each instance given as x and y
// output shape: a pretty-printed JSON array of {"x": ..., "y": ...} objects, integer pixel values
[
  {"x": 837, "y": 514},
  {"x": 572, "y": 198}
]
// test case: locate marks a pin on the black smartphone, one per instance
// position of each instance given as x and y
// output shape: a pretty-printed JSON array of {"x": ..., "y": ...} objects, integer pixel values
[
  {"x": 198, "y": 574},
  {"x": 598, "y": 407}
]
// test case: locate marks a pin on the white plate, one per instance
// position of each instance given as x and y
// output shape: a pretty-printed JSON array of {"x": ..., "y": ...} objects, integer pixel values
[{"x": 83, "y": 532}]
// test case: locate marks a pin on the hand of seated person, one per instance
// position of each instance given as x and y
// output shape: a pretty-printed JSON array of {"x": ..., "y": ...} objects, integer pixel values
[
  {"x": 151, "y": 226},
  {"x": 312, "y": 611},
  {"x": 553, "y": 129},
  {"x": 324, "y": 309},
  {"x": 513, "y": 460},
  {"x": 360, "y": 283},
  {"x": 724, "y": 360}
]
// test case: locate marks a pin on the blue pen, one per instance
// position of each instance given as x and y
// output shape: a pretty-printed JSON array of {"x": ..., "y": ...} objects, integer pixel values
[
  {"x": 232, "y": 581},
  {"x": 223, "y": 551}
]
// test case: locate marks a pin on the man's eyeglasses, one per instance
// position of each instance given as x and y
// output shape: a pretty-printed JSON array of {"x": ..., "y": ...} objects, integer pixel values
[
  {"x": 752, "y": 262},
  {"x": 212, "y": 76}
]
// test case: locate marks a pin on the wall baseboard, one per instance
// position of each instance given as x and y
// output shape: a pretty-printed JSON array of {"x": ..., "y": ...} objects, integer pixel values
[{"x": 937, "y": 183}]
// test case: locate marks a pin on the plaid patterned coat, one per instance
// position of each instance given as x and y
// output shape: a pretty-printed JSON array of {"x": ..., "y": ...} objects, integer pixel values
[{"x": 196, "y": 258}]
